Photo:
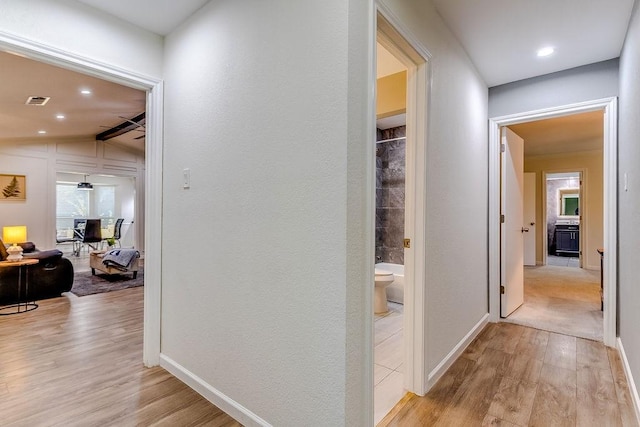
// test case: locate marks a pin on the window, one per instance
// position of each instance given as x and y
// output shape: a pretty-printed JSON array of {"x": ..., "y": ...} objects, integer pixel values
[{"x": 73, "y": 203}]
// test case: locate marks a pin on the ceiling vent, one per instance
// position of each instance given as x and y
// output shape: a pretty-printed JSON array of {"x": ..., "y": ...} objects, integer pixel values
[{"x": 38, "y": 100}]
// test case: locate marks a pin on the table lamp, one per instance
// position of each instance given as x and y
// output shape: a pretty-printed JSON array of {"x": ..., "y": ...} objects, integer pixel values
[{"x": 14, "y": 235}]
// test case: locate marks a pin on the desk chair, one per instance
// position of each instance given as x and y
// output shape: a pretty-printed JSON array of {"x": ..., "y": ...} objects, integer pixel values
[{"x": 91, "y": 234}]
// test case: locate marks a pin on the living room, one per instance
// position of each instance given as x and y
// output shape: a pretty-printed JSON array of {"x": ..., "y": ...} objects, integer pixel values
[{"x": 61, "y": 128}]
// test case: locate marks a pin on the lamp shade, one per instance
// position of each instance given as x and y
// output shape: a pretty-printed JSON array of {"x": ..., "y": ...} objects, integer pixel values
[{"x": 14, "y": 234}]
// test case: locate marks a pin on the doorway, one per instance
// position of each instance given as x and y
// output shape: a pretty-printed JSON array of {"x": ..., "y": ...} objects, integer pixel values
[
  {"x": 564, "y": 229},
  {"x": 409, "y": 375},
  {"x": 153, "y": 167},
  {"x": 607, "y": 108}
]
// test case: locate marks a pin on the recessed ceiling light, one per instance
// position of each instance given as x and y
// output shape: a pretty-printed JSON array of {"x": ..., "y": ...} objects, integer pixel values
[
  {"x": 545, "y": 51},
  {"x": 42, "y": 132},
  {"x": 60, "y": 116},
  {"x": 85, "y": 92}
]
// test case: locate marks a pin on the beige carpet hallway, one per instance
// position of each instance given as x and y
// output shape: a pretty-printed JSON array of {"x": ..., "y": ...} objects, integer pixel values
[{"x": 561, "y": 299}]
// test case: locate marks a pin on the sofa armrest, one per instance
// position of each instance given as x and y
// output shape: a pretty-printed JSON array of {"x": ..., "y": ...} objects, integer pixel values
[{"x": 50, "y": 255}]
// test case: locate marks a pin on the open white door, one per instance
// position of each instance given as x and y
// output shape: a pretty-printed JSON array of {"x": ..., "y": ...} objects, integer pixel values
[
  {"x": 529, "y": 218},
  {"x": 512, "y": 242}
]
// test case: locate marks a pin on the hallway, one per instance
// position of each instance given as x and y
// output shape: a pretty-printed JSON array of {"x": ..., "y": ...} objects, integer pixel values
[{"x": 515, "y": 375}]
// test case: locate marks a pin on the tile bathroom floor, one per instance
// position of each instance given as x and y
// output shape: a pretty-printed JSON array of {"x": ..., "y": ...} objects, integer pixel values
[
  {"x": 388, "y": 358},
  {"x": 563, "y": 261}
]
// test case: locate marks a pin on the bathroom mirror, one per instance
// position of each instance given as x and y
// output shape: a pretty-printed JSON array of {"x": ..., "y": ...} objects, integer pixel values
[{"x": 569, "y": 202}]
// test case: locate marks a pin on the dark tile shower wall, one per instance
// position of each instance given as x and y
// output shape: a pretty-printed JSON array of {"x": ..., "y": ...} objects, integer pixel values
[{"x": 390, "y": 176}]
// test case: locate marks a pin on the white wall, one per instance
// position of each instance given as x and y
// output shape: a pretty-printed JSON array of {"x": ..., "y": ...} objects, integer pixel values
[
  {"x": 591, "y": 229},
  {"x": 76, "y": 28},
  {"x": 40, "y": 160},
  {"x": 260, "y": 107},
  {"x": 456, "y": 184},
  {"x": 629, "y": 201},
  {"x": 30, "y": 211},
  {"x": 587, "y": 83}
]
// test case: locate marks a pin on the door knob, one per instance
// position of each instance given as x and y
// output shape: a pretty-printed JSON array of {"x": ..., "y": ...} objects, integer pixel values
[{"x": 525, "y": 230}]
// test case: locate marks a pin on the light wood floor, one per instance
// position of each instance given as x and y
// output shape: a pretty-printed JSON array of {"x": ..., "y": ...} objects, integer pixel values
[
  {"x": 513, "y": 375},
  {"x": 78, "y": 362}
]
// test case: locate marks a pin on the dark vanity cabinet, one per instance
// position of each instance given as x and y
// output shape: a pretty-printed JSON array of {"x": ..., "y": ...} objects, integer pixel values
[{"x": 568, "y": 240}]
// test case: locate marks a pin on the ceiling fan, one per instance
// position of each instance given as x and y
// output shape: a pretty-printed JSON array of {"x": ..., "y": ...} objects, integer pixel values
[{"x": 136, "y": 123}]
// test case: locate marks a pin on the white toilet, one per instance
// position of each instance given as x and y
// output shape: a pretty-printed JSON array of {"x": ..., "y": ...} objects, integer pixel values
[{"x": 383, "y": 279}]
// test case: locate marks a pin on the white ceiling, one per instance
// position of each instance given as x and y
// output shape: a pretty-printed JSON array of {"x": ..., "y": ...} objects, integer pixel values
[
  {"x": 158, "y": 16},
  {"x": 502, "y": 36},
  {"x": 85, "y": 116}
]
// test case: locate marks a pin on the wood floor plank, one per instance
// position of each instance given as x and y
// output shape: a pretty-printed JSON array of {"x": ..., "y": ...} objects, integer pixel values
[
  {"x": 623, "y": 394},
  {"x": 444, "y": 391},
  {"x": 474, "y": 396},
  {"x": 596, "y": 397},
  {"x": 78, "y": 361},
  {"x": 403, "y": 413},
  {"x": 592, "y": 354},
  {"x": 506, "y": 337},
  {"x": 524, "y": 367},
  {"x": 561, "y": 351},
  {"x": 477, "y": 346},
  {"x": 533, "y": 343},
  {"x": 513, "y": 401},
  {"x": 491, "y": 421},
  {"x": 555, "y": 401}
]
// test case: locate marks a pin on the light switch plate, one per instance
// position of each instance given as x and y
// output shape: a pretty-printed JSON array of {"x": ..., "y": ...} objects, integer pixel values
[{"x": 186, "y": 178}]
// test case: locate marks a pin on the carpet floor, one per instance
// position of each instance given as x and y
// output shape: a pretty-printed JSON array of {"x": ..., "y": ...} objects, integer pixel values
[
  {"x": 84, "y": 283},
  {"x": 563, "y": 300}
]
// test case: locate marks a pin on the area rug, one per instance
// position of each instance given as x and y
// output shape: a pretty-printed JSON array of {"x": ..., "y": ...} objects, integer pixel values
[{"x": 84, "y": 283}]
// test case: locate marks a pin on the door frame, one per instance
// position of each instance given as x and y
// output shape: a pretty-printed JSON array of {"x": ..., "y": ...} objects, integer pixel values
[
  {"x": 610, "y": 108},
  {"x": 396, "y": 38},
  {"x": 584, "y": 220},
  {"x": 524, "y": 223},
  {"x": 153, "y": 167}
]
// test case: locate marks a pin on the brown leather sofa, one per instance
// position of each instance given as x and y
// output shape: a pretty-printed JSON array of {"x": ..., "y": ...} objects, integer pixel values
[{"x": 52, "y": 276}]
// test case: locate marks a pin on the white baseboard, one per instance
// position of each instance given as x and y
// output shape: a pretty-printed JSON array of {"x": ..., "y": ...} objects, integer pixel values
[
  {"x": 630, "y": 381},
  {"x": 222, "y": 401},
  {"x": 446, "y": 363}
]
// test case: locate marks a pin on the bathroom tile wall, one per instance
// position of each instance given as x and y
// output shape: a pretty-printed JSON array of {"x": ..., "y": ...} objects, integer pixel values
[
  {"x": 553, "y": 201},
  {"x": 390, "y": 178}
]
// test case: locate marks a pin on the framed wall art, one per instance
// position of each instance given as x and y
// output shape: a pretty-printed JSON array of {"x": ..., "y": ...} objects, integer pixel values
[{"x": 13, "y": 187}]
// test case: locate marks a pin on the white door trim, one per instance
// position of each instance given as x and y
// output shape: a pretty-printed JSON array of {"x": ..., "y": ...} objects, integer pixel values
[
  {"x": 609, "y": 106},
  {"x": 153, "y": 165},
  {"x": 530, "y": 178},
  {"x": 400, "y": 42}
]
